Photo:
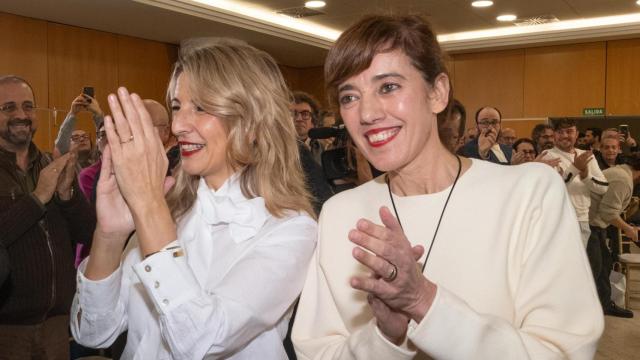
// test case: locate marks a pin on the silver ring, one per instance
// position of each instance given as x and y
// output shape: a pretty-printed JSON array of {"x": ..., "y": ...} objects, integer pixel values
[
  {"x": 392, "y": 274},
  {"x": 126, "y": 141}
]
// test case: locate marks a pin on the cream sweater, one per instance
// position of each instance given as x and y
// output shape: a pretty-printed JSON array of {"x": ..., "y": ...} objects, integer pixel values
[{"x": 513, "y": 279}]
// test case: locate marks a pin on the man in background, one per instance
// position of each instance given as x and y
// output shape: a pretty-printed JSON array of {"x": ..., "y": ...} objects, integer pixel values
[
  {"x": 42, "y": 217},
  {"x": 305, "y": 111},
  {"x": 579, "y": 170},
  {"x": 507, "y": 137},
  {"x": 486, "y": 146}
]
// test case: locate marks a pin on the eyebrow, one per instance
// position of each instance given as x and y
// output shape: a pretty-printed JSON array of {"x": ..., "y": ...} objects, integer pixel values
[{"x": 375, "y": 78}]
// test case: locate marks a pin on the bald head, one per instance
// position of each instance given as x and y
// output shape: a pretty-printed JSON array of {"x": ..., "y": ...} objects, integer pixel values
[
  {"x": 507, "y": 136},
  {"x": 160, "y": 119}
]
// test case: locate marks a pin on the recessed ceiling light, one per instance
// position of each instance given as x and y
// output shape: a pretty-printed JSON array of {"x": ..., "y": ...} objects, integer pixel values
[
  {"x": 638, "y": 2},
  {"x": 484, "y": 3},
  {"x": 507, "y": 17},
  {"x": 315, "y": 4}
]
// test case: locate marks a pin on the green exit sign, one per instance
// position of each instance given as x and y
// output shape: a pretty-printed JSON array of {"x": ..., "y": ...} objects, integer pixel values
[{"x": 593, "y": 111}]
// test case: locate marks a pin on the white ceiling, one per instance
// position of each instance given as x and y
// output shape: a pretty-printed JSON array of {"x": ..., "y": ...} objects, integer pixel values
[{"x": 159, "y": 19}]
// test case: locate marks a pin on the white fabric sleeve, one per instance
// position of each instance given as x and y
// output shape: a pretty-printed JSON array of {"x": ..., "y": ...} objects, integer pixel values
[
  {"x": 253, "y": 296},
  {"x": 320, "y": 333},
  {"x": 98, "y": 313},
  {"x": 595, "y": 181},
  {"x": 557, "y": 313}
]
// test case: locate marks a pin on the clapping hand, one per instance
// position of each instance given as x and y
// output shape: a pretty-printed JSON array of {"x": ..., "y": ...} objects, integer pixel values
[{"x": 396, "y": 279}]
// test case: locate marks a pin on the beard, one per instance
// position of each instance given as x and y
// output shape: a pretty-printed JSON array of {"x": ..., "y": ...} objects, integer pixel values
[{"x": 18, "y": 132}]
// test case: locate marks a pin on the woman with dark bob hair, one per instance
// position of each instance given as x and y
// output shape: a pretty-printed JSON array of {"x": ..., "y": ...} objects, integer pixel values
[
  {"x": 222, "y": 258},
  {"x": 441, "y": 257}
]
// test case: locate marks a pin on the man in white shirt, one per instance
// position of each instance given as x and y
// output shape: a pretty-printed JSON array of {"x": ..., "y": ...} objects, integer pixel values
[
  {"x": 579, "y": 170},
  {"x": 485, "y": 146}
]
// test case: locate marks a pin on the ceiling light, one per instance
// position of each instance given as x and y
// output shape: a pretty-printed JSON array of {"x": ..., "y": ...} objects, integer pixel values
[
  {"x": 638, "y": 2},
  {"x": 507, "y": 17},
  {"x": 484, "y": 3},
  {"x": 317, "y": 4}
]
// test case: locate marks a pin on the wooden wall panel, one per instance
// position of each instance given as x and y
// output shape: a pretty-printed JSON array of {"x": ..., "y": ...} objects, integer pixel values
[
  {"x": 24, "y": 48},
  {"x": 493, "y": 78},
  {"x": 309, "y": 80},
  {"x": 623, "y": 77},
  {"x": 77, "y": 58},
  {"x": 522, "y": 127},
  {"x": 562, "y": 80},
  {"x": 144, "y": 66}
]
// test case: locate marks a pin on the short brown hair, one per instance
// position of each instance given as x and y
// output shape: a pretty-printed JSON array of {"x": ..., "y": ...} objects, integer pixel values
[
  {"x": 355, "y": 49},
  {"x": 562, "y": 123}
]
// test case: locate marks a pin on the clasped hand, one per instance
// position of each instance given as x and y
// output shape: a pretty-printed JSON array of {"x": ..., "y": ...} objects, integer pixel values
[
  {"x": 409, "y": 295},
  {"x": 134, "y": 165}
]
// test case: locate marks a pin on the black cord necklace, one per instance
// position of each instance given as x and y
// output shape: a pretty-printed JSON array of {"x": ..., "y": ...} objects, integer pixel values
[{"x": 441, "y": 214}]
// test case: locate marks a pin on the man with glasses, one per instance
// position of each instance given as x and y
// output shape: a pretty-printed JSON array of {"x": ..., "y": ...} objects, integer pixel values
[
  {"x": 65, "y": 139},
  {"x": 485, "y": 146},
  {"x": 579, "y": 170},
  {"x": 305, "y": 110},
  {"x": 543, "y": 136},
  {"x": 41, "y": 217}
]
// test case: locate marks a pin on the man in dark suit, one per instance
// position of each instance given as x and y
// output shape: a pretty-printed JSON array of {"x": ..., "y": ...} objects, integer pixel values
[{"x": 485, "y": 145}]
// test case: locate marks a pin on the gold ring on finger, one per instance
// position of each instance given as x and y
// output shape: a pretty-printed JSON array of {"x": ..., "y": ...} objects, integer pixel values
[
  {"x": 392, "y": 274},
  {"x": 126, "y": 141}
]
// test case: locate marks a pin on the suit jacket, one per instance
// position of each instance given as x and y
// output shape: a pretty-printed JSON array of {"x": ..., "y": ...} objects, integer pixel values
[{"x": 470, "y": 150}]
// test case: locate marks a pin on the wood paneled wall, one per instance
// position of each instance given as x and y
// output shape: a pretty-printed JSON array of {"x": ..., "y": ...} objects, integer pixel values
[
  {"x": 59, "y": 60},
  {"x": 623, "y": 77},
  {"x": 563, "y": 80},
  {"x": 494, "y": 79}
]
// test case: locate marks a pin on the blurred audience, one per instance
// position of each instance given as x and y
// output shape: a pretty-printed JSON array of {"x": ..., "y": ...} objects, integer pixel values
[{"x": 543, "y": 136}]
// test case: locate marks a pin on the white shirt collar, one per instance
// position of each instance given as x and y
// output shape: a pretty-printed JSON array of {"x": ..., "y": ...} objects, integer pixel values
[{"x": 228, "y": 206}]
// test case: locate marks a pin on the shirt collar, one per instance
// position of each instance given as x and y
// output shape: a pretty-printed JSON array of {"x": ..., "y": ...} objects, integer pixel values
[{"x": 229, "y": 206}]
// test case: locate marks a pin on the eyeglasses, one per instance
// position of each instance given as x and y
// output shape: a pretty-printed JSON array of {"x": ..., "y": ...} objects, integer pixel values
[
  {"x": 528, "y": 152},
  {"x": 78, "y": 138},
  {"x": 11, "y": 108},
  {"x": 493, "y": 122},
  {"x": 304, "y": 114}
]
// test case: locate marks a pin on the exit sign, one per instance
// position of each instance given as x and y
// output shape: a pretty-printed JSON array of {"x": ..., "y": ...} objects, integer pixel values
[{"x": 593, "y": 111}]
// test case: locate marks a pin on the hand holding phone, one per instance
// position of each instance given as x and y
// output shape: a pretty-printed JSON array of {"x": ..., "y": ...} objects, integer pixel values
[{"x": 88, "y": 90}]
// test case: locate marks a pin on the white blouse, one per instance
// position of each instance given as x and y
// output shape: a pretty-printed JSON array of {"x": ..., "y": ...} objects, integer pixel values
[{"x": 230, "y": 296}]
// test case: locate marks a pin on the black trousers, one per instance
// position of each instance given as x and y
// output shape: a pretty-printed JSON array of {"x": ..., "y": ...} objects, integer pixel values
[{"x": 601, "y": 265}]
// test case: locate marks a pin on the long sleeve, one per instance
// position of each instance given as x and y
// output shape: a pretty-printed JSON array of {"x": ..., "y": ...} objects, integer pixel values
[
  {"x": 614, "y": 201},
  {"x": 548, "y": 321},
  {"x": 18, "y": 218},
  {"x": 319, "y": 333},
  {"x": 98, "y": 312},
  {"x": 596, "y": 181},
  {"x": 67, "y": 127},
  {"x": 509, "y": 287},
  {"x": 251, "y": 298}
]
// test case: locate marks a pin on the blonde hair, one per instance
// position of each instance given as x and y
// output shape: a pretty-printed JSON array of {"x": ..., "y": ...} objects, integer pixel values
[{"x": 243, "y": 87}]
